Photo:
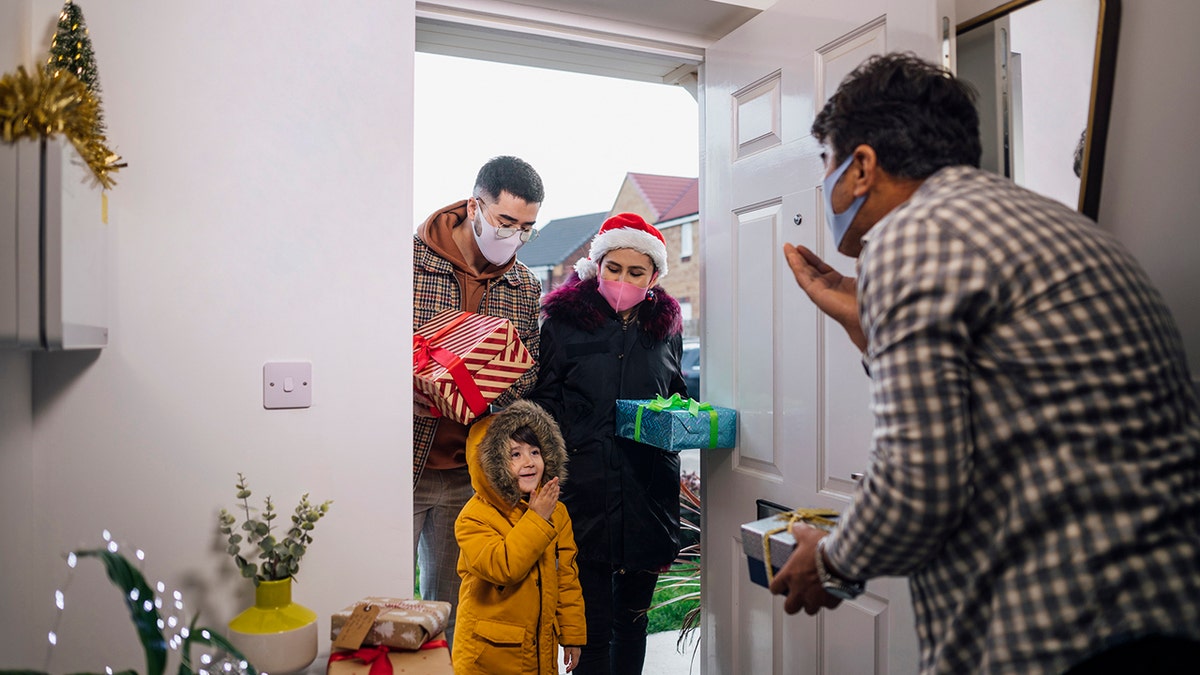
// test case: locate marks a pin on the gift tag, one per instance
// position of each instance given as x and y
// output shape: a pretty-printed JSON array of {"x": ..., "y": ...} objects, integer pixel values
[{"x": 355, "y": 630}]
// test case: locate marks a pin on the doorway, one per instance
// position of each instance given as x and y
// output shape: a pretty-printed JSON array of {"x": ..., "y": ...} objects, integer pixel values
[{"x": 601, "y": 144}]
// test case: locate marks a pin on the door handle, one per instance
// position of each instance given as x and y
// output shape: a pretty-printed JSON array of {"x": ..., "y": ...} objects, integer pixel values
[{"x": 857, "y": 477}]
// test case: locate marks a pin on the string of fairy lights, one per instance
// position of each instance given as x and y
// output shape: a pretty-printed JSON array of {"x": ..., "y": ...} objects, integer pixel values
[{"x": 168, "y": 604}]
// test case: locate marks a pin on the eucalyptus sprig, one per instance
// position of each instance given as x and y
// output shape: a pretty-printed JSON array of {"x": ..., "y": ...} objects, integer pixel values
[{"x": 278, "y": 559}]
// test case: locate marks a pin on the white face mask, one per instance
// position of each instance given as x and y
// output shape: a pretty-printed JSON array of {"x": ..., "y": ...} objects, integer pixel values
[{"x": 497, "y": 251}]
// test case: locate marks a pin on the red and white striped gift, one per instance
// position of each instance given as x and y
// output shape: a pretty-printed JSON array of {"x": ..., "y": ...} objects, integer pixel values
[{"x": 463, "y": 361}]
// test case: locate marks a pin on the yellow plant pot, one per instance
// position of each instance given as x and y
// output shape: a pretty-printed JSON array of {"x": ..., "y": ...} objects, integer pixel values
[{"x": 276, "y": 635}]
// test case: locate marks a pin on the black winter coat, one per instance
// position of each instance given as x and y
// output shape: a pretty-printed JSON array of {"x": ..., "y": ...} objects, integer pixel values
[{"x": 623, "y": 496}]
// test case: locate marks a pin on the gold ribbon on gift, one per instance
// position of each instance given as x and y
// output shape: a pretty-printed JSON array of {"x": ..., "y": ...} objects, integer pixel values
[{"x": 813, "y": 516}]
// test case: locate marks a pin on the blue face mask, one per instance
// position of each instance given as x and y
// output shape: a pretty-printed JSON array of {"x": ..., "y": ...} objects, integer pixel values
[{"x": 839, "y": 222}]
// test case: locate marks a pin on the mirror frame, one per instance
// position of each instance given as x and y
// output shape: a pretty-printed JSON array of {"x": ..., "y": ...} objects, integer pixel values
[{"x": 1099, "y": 107}]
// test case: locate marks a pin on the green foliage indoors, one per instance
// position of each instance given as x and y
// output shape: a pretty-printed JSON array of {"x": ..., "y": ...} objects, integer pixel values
[
  {"x": 278, "y": 559},
  {"x": 146, "y": 619}
]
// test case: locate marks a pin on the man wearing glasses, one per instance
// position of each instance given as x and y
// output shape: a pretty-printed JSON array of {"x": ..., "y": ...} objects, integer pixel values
[{"x": 464, "y": 257}]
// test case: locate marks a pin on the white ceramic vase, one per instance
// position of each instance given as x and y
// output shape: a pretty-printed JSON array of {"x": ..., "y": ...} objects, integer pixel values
[{"x": 276, "y": 635}]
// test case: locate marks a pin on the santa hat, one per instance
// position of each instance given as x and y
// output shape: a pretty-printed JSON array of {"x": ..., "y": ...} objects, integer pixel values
[{"x": 624, "y": 230}]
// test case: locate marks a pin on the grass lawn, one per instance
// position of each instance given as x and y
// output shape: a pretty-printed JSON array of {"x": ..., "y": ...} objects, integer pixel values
[{"x": 670, "y": 617}]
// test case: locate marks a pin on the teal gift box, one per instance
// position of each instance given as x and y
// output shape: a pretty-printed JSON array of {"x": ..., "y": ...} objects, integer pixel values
[{"x": 676, "y": 423}]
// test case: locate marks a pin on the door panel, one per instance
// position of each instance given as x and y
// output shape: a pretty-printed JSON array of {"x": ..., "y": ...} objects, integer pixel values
[
  {"x": 754, "y": 611},
  {"x": 845, "y": 436},
  {"x": 797, "y": 382},
  {"x": 756, "y": 377},
  {"x": 983, "y": 59},
  {"x": 756, "y": 116}
]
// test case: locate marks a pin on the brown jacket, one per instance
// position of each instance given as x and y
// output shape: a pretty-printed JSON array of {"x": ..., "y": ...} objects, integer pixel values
[{"x": 513, "y": 295}]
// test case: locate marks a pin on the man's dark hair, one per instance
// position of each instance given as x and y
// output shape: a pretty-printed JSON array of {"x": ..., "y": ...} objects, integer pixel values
[
  {"x": 512, "y": 175},
  {"x": 527, "y": 436},
  {"x": 916, "y": 116}
]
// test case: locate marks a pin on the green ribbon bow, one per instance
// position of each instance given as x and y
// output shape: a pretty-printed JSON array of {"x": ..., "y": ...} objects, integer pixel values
[{"x": 677, "y": 402}]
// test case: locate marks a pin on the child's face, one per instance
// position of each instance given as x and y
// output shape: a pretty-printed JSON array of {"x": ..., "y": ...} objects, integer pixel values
[{"x": 525, "y": 463}]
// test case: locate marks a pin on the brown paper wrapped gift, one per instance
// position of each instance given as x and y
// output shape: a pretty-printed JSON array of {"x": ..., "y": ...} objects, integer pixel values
[
  {"x": 464, "y": 361},
  {"x": 404, "y": 624},
  {"x": 433, "y": 658}
]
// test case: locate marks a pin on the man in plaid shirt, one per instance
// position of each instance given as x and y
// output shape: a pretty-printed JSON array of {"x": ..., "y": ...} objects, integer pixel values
[
  {"x": 464, "y": 257},
  {"x": 1035, "y": 465}
]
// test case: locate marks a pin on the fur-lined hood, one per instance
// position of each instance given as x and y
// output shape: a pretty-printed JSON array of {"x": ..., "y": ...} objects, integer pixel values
[
  {"x": 488, "y": 453},
  {"x": 579, "y": 302}
]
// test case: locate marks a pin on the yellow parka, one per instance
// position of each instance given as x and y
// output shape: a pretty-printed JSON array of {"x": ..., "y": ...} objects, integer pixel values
[{"x": 520, "y": 596}]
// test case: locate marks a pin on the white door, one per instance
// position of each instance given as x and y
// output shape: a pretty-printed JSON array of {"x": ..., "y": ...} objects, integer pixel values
[{"x": 797, "y": 382}]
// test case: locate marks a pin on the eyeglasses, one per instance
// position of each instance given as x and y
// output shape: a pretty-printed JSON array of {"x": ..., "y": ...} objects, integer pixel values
[{"x": 507, "y": 230}]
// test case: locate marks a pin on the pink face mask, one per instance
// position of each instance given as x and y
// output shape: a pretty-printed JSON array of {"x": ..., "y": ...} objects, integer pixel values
[{"x": 622, "y": 295}]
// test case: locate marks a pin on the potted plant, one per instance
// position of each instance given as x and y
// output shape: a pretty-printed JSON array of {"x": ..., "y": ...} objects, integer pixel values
[{"x": 276, "y": 634}]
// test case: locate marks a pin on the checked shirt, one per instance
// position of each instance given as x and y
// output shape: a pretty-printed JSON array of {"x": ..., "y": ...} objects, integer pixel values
[
  {"x": 514, "y": 295},
  {"x": 1035, "y": 465}
]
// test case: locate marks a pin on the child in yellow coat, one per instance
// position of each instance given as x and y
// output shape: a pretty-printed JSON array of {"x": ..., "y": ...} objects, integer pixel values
[{"x": 520, "y": 596}]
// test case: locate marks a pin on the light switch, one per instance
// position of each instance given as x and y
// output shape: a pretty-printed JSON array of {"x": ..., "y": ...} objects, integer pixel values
[{"x": 287, "y": 385}]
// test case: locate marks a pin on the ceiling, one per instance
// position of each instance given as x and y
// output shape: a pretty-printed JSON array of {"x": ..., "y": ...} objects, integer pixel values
[{"x": 645, "y": 40}]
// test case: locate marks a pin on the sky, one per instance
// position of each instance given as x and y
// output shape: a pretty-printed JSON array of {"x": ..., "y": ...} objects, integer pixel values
[{"x": 582, "y": 133}]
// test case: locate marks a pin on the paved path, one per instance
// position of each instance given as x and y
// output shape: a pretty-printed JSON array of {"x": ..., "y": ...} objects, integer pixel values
[{"x": 663, "y": 657}]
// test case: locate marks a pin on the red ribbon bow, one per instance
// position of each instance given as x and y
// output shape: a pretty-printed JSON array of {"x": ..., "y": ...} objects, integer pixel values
[
  {"x": 376, "y": 656},
  {"x": 424, "y": 351}
]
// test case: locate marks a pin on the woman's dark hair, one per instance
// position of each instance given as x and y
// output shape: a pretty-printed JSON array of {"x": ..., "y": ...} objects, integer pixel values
[
  {"x": 512, "y": 175},
  {"x": 527, "y": 436},
  {"x": 917, "y": 117}
]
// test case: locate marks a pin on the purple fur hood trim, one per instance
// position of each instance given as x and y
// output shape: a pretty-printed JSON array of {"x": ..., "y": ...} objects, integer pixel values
[{"x": 579, "y": 303}]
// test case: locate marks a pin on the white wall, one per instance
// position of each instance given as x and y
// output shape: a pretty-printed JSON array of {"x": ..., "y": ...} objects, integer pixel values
[
  {"x": 16, "y": 498},
  {"x": 1152, "y": 168},
  {"x": 16, "y": 430},
  {"x": 261, "y": 218}
]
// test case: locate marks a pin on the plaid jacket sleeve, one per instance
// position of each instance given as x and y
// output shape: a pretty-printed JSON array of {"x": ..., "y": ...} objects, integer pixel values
[{"x": 514, "y": 296}]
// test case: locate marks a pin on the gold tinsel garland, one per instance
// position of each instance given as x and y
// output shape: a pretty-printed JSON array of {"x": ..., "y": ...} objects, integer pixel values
[{"x": 45, "y": 106}]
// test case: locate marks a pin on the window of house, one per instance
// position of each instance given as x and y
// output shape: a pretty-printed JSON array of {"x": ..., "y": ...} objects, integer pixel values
[{"x": 685, "y": 241}]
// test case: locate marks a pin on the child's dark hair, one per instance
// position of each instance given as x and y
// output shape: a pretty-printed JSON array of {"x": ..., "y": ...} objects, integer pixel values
[{"x": 526, "y": 435}]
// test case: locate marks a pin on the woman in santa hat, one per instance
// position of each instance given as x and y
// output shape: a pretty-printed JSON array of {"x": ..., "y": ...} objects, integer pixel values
[{"x": 610, "y": 332}]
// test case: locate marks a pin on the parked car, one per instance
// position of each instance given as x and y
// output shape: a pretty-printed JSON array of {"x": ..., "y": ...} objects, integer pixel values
[{"x": 690, "y": 364}]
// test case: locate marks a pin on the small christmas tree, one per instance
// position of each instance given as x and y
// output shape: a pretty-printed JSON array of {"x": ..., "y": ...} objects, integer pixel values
[
  {"x": 71, "y": 50},
  {"x": 62, "y": 99}
]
